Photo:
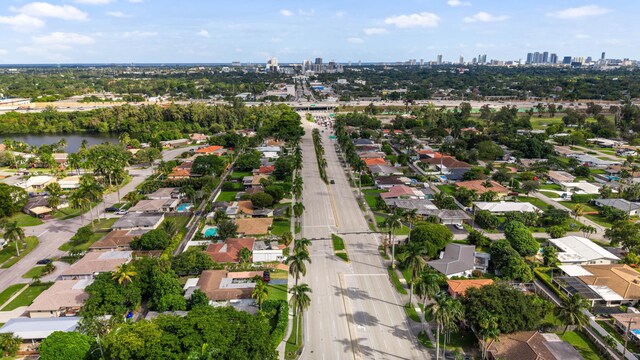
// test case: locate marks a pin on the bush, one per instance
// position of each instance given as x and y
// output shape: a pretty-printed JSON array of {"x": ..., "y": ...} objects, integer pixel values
[
  {"x": 82, "y": 236},
  {"x": 280, "y": 308},
  {"x": 62, "y": 345},
  {"x": 156, "y": 239},
  {"x": 583, "y": 198},
  {"x": 486, "y": 220}
]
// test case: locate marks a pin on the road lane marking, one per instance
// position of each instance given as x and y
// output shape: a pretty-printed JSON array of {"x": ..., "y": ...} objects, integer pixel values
[
  {"x": 42, "y": 233},
  {"x": 349, "y": 317},
  {"x": 336, "y": 219}
]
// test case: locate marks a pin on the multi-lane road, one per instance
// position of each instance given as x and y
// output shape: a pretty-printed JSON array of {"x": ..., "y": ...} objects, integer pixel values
[{"x": 355, "y": 312}]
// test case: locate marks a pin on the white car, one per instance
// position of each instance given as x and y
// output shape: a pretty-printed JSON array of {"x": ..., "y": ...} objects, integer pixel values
[
  {"x": 122, "y": 212},
  {"x": 458, "y": 226}
]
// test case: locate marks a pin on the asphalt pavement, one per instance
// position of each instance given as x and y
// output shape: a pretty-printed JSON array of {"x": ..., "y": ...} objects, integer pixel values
[{"x": 355, "y": 313}]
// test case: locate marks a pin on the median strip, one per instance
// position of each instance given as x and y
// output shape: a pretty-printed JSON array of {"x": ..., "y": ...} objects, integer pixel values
[{"x": 339, "y": 248}]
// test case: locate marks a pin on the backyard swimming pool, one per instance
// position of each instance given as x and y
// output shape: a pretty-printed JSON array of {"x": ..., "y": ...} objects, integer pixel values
[
  {"x": 184, "y": 207},
  {"x": 210, "y": 231}
]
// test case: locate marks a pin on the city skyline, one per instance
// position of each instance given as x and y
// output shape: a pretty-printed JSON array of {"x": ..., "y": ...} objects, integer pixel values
[{"x": 153, "y": 31}]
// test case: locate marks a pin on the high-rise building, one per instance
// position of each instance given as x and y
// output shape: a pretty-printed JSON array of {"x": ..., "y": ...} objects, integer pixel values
[
  {"x": 461, "y": 60},
  {"x": 421, "y": 62},
  {"x": 272, "y": 64},
  {"x": 566, "y": 60},
  {"x": 529, "y": 58},
  {"x": 603, "y": 56},
  {"x": 482, "y": 59},
  {"x": 589, "y": 60},
  {"x": 318, "y": 61},
  {"x": 553, "y": 58},
  {"x": 439, "y": 59},
  {"x": 545, "y": 57}
]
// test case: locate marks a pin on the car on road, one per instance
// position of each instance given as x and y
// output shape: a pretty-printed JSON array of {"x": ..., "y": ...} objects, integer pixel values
[
  {"x": 332, "y": 181},
  {"x": 112, "y": 209},
  {"x": 44, "y": 262},
  {"x": 458, "y": 226},
  {"x": 266, "y": 276},
  {"x": 121, "y": 212}
]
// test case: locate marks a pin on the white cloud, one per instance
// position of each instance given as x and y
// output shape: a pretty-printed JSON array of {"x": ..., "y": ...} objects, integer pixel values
[
  {"x": 203, "y": 33},
  {"x": 583, "y": 36},
  {"x": 341, "y": 14},
  {"x": 355, "y": 40},
  {"x": 43, "y": 10},
  {"x": 306, "y": 12},
  {"x": 62, "y": 40},
  {"x": 484, "y": 17},
  {"x": 455, "y": 3},
  {"x": 285, "y": 12},
  {"x": 138, "y": 34},
  {"x": 22, "y": 22},
  {"x": 423, "y": 19},
  {"x": 579, "y": 12},
  {"x": 94, "y": 2},
  {"x": 375, "y": 31},
  {"x": 118, "y": 14}
]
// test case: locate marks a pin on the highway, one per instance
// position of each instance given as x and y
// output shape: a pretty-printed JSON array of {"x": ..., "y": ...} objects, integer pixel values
[{"x": 355, "y": 313}]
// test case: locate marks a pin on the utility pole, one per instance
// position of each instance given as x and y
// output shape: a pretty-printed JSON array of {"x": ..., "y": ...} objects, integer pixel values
[{"x": 626, "y": 336}]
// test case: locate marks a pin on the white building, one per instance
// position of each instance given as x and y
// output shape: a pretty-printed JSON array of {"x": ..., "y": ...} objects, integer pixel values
[
  {"x": 502, "y": 207},
  {"x": 581, "y": 187},
  {"x": 264, "y": 251},
  {"x": 575, "y": 250}
]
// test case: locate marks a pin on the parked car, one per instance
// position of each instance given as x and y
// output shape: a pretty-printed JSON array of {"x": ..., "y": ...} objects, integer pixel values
[
  {"x": 121, "y": 212},
  {"x": 266, "y": 276},
  {"x": 458, "y": 226},
  {"x": 112, "y": 209},
  {"x": 332, "y": 181},
  {"x": 43, "y": 261}
]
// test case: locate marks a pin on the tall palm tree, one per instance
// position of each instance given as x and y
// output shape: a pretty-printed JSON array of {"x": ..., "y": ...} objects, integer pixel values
[
  {"x": 296, "y": 263},
  {"x": 245, "y": 257},
  {"x": 488, "y": 330},
  {"x": 437, "y": 312},
  {"x": 571, "y": 311},
  {"x": 81, "y": 203},
  {"x": 298, "y": 209},
  {"x": 13, "y": 232},
  {"x": 410, "y": 216},
  {"x": 393, "y": 222},
  {"x": 260, "y": 293},
  {"x": 297, "y": 187},
  {"x": 411, "y": 259},
  {"x": 454, "y": 313},
  {"x": 300, "y": 301},
  {"x": 55, "y": 194},
  {"x": 302, "y": 244},
  {"x": 124, "y": 274},
  {"x": 578, "y": 211}
]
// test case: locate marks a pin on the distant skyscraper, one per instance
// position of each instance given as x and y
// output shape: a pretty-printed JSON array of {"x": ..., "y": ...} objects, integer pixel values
[
  {"x": 421, "y": 62},
  {"x": 589, "y": 60},
  {"x": 529, "y": 58},
  {"x": 439, "y": 59},
  {"x": 461, "y": 60},
  {"x": 318, "y": 61},
  {"x": 603, "y": 56},
  {"x": 566, "y": 60},
  {"x": 553, "y": 58},
  {"x": 545, "y": 57}
]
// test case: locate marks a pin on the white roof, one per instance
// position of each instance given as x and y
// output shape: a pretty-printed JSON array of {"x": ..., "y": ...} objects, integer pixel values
[
  {"x": 39, "y": 180},
  {"x": 578, "y": 249},
  {"x": 574, "y": 270},
  {"x": 586, "y": 187},
  {"x": 606, "y": 293},
  {"x": 506, "y": 206},
  {"x": 191, "y": 282},
  {"x": 39, "y": 328}
]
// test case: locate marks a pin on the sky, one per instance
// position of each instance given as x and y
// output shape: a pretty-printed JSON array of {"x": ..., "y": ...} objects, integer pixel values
[{"x": 220, "y": 31}]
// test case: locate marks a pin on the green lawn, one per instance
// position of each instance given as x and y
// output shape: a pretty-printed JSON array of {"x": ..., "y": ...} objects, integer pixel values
[
  {"x": 550, "y": 187},
  {"x": 27, "y": 296},
  {"x": 9, "y": 292},
  {"x": 277, "y": 292},
  {"x": 395, "y": 280},
  {"x": 227, "y": 196},
  {"x": 280, "y": 227},
  {"x": 291, "y": 347},
  {"x": 586, "y": 348},
  {"x": 461, "y": 340},
  {"x": 411, "y": 312},
  {"x": 24, "y": 220},
  {"x": 238, "y": 175},
  {"x": 447, "y": 189},
  {"x": 535, "y": 201},
  {"x": 551, "y": 195},
  {"x": 543, "y": 123},
  {"x": 571, "y": 205},
  {"x": 102, "y": 227},
  {"x": 338, "y": 242},
  {"x": 35, "y": 271},
  {"x": 599, "y": 220},
  {"x": 7, "y": 257},
  {"x": 66, "y": 213}
]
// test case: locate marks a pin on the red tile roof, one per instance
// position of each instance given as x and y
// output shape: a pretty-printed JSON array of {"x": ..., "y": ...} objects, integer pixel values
[
  {"x": 209, "y": 149},
  {"x": 478, "y": 186},
  {"x": 375, "y": 161},
  {"x": 268, "y": 169},
  {"x": 229, "y": 250}
]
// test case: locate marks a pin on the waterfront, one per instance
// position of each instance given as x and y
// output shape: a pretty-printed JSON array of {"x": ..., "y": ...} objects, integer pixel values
[{"x": 73, "y": 140}]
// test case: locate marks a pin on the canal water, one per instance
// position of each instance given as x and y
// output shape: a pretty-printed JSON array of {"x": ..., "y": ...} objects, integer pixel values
[{"x": 73, "y": 140}]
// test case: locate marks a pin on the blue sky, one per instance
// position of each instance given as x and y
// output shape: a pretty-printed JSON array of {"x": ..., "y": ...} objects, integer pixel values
[{"x": 122, "y": 31}]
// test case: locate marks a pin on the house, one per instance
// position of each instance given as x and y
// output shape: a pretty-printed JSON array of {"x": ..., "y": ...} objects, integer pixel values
[
  {"x": 558, "y": 177},
  {"x": 245, "y": 208},
  {"x": 423, "y": 207},
  {"x": 155, "y": 206},
  {"x": 221, "y": 285},
  {"x": 138, "y": 221},
  {"x": 365, "y": 142},
  {"x": 37, "y": 206},
  {"x": 502, "y": 207},
  {"x": 602, "y": 142},
  {"x": 580, "y": 187},
  {"x": 450, "y": 217},
  {"x": 254, "y": 226},
  {"x": 69, "y": 183},
  {"x": 37, "y": 329},
  {"x": 531, "y": 345},
  {"x": 266, "y": 169},
  {"x": 603, "y": 285},
  {"x": 94, "y": 263},
  {"x": 628, "y": 207},
  {"x": 119, "y": 240},
  {"x": 402, "y": 192},
  {"x": 480, "y": 187},
  {"x": 449, "y": 166},
  {"x": 575, "y": 250},
  {"x": 37, "y": 183},
  {"x": 629, "y": 320},
  {"x": 371, "y": 155},
  {"x": 266, "y": 251},
  {"x": 592, "y": 161},
  {"x": 198, "y": 138},
  {"x": 384, "y": 170},
  {"x": 375, "y": 161},
  {"x": 60, "y": 158},
  {"x": 168, "y": 144},
  {"x": 165, "y": 194},
  {"x": 63, "y": 298},
  {"x": 458, "y": 288},
  {"x": 179, "y": 174},
  {"x": 460, "y": 260},
  {"x": 212, "y": 150},
  {"x": 386, "y": 182},
  {"x": 228, "y": 251}
]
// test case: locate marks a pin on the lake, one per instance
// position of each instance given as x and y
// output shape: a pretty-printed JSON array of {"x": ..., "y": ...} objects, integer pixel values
[{"x": 73, "y": 140}]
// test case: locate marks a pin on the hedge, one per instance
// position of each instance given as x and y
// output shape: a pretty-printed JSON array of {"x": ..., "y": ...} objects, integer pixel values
[
  {"x": 281, "y": 317},
  {"x": 543, "y": 277}
]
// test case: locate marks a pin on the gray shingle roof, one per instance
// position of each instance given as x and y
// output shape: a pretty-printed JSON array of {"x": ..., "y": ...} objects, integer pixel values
[{"x": 456, "y": 259}]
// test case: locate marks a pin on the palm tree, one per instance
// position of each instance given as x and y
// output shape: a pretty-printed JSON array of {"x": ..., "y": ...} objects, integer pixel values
[
  {"x": 392, "y": 223},
  {"x": 298, "y": 209},
  {"x": 297, "y": 187},
  {"x": 411, "y": 259},
  {"x": 488, "y": 329},
  {"x": 244, "y": 256},
  {"x": 437, "y": 312},
  {"x": 454, "y": 312},
  {"x": 296, "y": 263},
  {"x": 13, "y": 232},
  {"x": 300, "y": 301},
  {"x": 124, "y": 274},
  {"x": 170, "y": 227},
  {"x": 410, "y": 216},
  {"x": 578, "y": 211},
  {"x": 81, "y": 203},
  {"x": 55, "y": 194},
  {"x": 10, "y": 344},
  {"x": 571, "y": 311},
  {"x": 302, "y": 244},
  {"x": 287, "y": 238},
  {"x": 260, "y": 293}
]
